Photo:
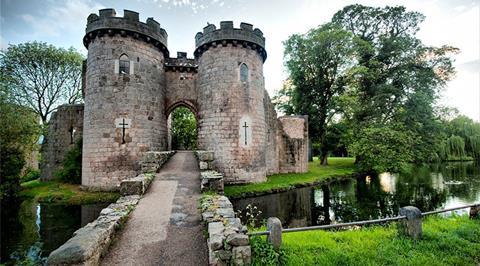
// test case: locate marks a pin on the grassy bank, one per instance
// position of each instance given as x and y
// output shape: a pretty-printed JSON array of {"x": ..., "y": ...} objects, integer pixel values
[
  {"x": 337, "y": 167},
  {"x": 62, "y": 193},
  {"x": 446, "y": 241}
]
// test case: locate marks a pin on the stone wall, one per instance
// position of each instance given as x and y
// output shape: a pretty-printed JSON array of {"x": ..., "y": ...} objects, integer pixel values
[
  {"x": 180, "y": 83},
  {"x": 64, "y": 130},
  {"x": 292, "y": 139},
  {"x": 228, "y": 242},
  {"x": 90, "y": 242},
  {"x": 137, "y": 97},
  {"x": 271, "y": 152},
  {"x": 225, "y": 104}
]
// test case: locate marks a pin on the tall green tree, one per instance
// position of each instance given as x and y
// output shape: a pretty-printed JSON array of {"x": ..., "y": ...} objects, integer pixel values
[
  {"x": 41, "y": 76},
  {"x": 395, "y": 82},
  {"x": 317, "y": 62},
  {"x": 18, "y": 134}
]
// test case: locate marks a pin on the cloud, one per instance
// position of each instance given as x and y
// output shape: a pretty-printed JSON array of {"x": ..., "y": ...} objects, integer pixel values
[
  {"x": 471, "y": 66},
  {"x": 72, "y": 16},
  {"x": 3, "y": 44},
  {"x": 194, "y": 5}
]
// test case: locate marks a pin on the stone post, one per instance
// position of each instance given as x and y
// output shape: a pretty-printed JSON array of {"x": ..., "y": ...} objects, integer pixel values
[
  {"x": 475, "y": 212},
  {"x": 274, "y": 226},
  {"x": 412, "y": 225}
]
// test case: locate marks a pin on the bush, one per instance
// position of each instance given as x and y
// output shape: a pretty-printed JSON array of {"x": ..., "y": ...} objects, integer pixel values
[
  {"x": 383, "y": 148},
  {"x": 71, "y": 171},
  {"x": 11, "y": 164},
  {"x": 263, "y": 253},
  {"x": 30, "y": 174}
]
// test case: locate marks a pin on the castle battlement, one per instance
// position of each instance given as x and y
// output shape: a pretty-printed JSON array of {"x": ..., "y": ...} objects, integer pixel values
[
  {"x": 244, "y": 36},
  {"x": 181, "y": 63},
  {"x": 107, "y": 23}
]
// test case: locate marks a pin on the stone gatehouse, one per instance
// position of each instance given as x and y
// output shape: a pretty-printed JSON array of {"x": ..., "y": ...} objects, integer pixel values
[{"x": 131, "y": 84}]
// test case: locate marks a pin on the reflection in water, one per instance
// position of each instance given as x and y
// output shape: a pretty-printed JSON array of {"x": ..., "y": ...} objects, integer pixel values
[
  {"x": 30, "y": 231},
  {"x": 370, "y": 197}
]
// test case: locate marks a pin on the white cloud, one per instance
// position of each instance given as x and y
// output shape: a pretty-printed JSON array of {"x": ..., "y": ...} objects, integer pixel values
[
  {"x": 3, "y": 44},
  {"x": 71, "y": 14},
  {"x": 194, "y": 5}
]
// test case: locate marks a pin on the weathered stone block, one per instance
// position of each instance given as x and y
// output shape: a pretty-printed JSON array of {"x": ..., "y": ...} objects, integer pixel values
[
  {"x": 206, "y": 156},
  {"x": 274, "y": 226},
  {"x": 241, "y": 255},
  {"x": 224, "y": 255},
  {"x": 203, "y": 165},
  {"x": 225, "y": 212},
  {"x": 215, "y": 242},
  {"x": 412, "y": 225},
  {"x": 475, "y": 212},
  {"x": 215, "y": 228},
  {"x": 237, "y": 239},
  {"x": 137, "y": 185}
]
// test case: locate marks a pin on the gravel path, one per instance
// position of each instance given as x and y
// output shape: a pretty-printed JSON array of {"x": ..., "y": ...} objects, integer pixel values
[{"x": 165, "y": 228}]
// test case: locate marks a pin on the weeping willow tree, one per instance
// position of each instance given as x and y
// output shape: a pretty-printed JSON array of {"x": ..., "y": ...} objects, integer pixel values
[
  {"x": 474, "y": 145},
  {"x": 455, "y": 147},
  {"x": 469, "y": 131}
]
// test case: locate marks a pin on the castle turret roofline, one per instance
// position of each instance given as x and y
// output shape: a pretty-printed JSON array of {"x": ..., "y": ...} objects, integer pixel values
[
  {"x": 244, "y": 36},
  {"x": 107, "y": 23}
]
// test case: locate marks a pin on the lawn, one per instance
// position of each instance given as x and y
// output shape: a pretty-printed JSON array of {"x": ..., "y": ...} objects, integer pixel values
[
  {"x": 337, "y": 167},
  {"x": 62, "y": 193},
  {"x": 446, "y": 241}
]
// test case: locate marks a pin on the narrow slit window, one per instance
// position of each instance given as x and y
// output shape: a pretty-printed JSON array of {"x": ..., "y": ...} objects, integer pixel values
[
  {"x": 243, "y": 73},
  {"x": 124, "y": 65},
  {"x": 72, "y": 134}
]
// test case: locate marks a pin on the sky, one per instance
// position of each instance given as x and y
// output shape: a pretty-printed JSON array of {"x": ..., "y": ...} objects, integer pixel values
[{"x": 448, "y": 22}]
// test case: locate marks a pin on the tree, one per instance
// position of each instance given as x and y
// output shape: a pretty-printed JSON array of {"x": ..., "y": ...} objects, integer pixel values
[
  {"x": 18, "y": 133},
  {"x": 395, "y": 82},
  {"x": 464, "y": 137},
  {"x": 41, "y": 76},
  {"x": 184, "y": 129},
  {"x": 317, "y": 63}
]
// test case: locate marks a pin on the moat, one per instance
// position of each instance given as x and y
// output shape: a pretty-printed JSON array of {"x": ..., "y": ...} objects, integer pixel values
[
  {"x": 30, "y": 231},
  {"x": 370, "y": 197}
]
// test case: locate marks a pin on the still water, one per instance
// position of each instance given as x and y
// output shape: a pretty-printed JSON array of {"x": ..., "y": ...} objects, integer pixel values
[
  {"x": 30, "y": 231},
  {"x": 370, "y": 197}
]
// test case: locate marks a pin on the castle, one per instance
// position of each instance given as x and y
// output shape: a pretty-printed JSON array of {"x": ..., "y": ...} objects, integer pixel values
[{"x": 131, "y": 85}]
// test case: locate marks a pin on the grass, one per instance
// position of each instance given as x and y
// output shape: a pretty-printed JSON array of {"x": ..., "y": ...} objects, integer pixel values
[
  {"x": 63, "y": 193},
  {"x": 446, "y": 241},
  {"x": 337, "y": 167}
]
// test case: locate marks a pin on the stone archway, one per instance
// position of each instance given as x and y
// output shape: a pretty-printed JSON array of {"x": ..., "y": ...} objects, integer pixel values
[{"x": 173, "y": 142}]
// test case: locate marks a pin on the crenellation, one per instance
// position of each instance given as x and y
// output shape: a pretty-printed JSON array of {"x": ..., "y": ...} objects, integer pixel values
[
  {"x": 246, "y": 26},
  {"x": 107, "y": 13},
  {"x": 224, "y": 25},
  {"x": 131, "y": 15}
]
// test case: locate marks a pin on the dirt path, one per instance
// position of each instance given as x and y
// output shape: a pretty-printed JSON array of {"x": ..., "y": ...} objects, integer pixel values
[{"x": 165, "y": 228}]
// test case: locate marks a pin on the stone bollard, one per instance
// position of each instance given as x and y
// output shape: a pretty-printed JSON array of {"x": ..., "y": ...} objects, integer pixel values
[
  {"x": 475, "y": 212},
  {"x": 274, "y": 226},
  {"x": 412, "y": 225}
]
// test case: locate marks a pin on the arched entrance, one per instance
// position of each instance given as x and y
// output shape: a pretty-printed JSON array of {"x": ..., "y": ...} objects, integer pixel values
[{"x": 182, "y": 126}]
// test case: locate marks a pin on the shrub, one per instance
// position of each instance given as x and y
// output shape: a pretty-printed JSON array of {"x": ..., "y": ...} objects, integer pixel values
[
  {"x": 30, "y": 174},
  {"x": 11, "y": 164},
  {"x": 71, "y": 170},
  {"x": 263, "y": 253}
]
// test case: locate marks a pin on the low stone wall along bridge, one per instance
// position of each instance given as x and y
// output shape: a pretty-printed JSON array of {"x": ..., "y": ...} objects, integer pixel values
[{"x": 165, "y": 228}]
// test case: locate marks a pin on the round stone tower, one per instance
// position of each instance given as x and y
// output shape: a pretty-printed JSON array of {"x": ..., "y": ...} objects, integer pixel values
[
  {"x": 124, "y": 96},
  {"x": 230, "y": 87}
]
